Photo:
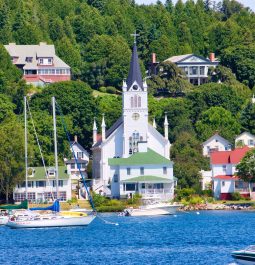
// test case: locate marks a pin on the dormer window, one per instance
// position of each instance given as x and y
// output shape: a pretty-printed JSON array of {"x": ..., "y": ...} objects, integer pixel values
[
  {"x": 51, "y": 172},
  {"x": 29, "y": 59},
  {"x": 49, "y": 60},
  {"x": 40, "y": 60}
]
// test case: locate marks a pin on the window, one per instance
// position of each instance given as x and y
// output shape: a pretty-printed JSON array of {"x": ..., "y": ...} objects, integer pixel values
[
  {"x": 164, "y": 170},
  {"x": 132, "y": 102},
  {"x": 251, "y": 142},
  {"x": 40, "y": 184},
  {"x": 72, "y": 166},
  {"x": 115, "y": 178},
  {"x": 224, "y": 168},
  {"x": 83, "y": 165},
  {"x": 139, "y": 102},
  {"x": 202, "y": 70},
  {"x": 194, "y": 70},
  {"x": 40, "y": 60},
  {"x": 128, "y": 171},
  {"x": 29, "y": 59},
  {"x": 49, "y": 61},
  {"x": 130, "y": 186},
  {"x": 141, "y": 170},
  {"x": 143, "y": 185},
  {"x": 60, "y": 183},
  {"x": 158, "y": 186},
  {"x": 223, "y": 183},
  {"x": 80, "y": 154},
  {"x": 133, "y": 142},
  {"x": 30, "y": 184}
]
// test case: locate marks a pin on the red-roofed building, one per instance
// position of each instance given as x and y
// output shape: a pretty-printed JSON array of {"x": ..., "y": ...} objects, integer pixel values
[{"x": 223, "y": 164}]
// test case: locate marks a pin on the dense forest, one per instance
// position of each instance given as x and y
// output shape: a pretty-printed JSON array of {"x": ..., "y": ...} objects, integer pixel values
[{"x": 93, "y": 37}]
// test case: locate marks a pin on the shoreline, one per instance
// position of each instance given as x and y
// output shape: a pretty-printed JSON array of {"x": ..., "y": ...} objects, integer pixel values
[{"x": 217, "y": 206}]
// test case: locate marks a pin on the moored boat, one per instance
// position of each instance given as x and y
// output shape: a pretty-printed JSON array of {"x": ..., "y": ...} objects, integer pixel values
[
  {"x": 160, "y": 208},
  {"x": 245, "y": 256},
  {"x": 45, "y": 221}
]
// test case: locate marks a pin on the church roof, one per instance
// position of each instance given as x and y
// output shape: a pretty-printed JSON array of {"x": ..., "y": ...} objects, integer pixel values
[
  {"x": 110, "y": 131},
  {"x": 148, "y": 179},
  {"x": 140, "y": 158},
  {"x": 134, "y": 70}
]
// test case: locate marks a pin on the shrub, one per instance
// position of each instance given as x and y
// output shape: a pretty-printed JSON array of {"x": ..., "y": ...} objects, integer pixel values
[
  {"x": 73, "y": 200},
  {"x": 136, "y": 199},
  {"x": 196, "y": 200},
  {"x": 184, "y": 193},
  {"x": 109, "y": 208},
  {"x": 236, "y": 196},
  {"x": 99, "y": 199},
  {"x": 102, "y": 89},
  {"x": 207, "y": 193},
  {"x": 111, "y": 90}
]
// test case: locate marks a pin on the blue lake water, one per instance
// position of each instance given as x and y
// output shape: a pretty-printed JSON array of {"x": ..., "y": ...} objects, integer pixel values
[{"x": 188, "y": 238}]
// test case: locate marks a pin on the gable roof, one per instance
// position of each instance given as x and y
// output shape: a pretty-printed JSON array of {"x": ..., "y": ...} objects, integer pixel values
[
  {"x": 140, "y": 158},
  {"x": 134, "y": 70},
  {"x": 215, "y": 135},
  {"x": 247, "y": 133},
  {"x": 229, "y": 157},
  {"x": 34, "y": 51},
  {"x": 114, "y": 127},
  {"x": 79, "y": 146},
  {"x": 148, "y": 179},
  {"x": 179, "y": 59}
]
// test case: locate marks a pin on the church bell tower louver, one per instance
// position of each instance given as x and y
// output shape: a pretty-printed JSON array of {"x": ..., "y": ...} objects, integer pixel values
[{"x": 135, "y": 108}]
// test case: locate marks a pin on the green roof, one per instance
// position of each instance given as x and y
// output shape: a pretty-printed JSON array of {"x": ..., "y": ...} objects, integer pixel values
[
  {"x": 149, "y": 179},
  {"x": 39, "y": 174},
  {"x": 140, "y": 158}
]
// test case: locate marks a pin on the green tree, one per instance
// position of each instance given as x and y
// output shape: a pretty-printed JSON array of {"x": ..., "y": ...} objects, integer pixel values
[
  {"x": 11, "y": 156},
  {"x": 217, "y": 119},
  {"x": 246, "y": 168},
  {"x": 247, "y": 118},
  {"x": 186, "y": 153}
]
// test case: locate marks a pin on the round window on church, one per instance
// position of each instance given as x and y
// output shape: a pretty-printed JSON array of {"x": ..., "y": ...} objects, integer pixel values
[
  {"x": 135, "y": 87},
  {"x": 135, "y": 116}
]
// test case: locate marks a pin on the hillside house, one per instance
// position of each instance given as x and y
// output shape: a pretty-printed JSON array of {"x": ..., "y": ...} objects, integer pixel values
[
  {"x": 245, "y": 139},
  {"x": 39, "y": 63},
  {"x": 195, "y": 67},
  {"x": 223, "y": 164}
]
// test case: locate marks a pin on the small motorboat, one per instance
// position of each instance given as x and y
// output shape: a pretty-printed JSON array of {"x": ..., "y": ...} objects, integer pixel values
[
  {"x": 245, "y": 256},
  {"x": 50, "y": 220},
  {"x": 159, "y": 208}
]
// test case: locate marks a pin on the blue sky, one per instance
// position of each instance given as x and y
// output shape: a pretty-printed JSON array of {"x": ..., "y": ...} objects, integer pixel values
[{"x": 248, "y": 3}]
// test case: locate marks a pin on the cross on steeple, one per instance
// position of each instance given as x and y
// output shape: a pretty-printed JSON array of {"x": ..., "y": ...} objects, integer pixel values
[{"x": 135, "y": 35}]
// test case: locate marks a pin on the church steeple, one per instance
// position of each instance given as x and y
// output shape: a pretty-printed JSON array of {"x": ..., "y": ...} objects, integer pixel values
[{"x": 134, "y": 74}]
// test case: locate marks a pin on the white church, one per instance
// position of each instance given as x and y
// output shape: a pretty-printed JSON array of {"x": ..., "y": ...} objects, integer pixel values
[{"x": 132, "y": 156}]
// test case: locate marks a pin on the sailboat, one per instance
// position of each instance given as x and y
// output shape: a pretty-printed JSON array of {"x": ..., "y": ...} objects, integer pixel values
[{"x": 57, "y": 218}]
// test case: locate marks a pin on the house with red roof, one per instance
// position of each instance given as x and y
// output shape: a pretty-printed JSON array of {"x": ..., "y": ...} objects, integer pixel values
[{"x": 223, "y": 164}]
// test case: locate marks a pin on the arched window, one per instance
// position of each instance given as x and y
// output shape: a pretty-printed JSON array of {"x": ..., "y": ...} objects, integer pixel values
[
  {"x": 133, "y": 142},
  {"x": 139, "y": 102},
  {"x": 132, "y": 102},
  {"x": 135, "y": 101}
]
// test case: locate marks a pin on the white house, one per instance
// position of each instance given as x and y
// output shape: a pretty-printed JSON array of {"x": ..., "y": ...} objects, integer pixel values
[
  {"x": 223, "y": 164},
  {"x": 42, "y": 188},
  {"x": 196, "y": 67},
  {"x": 132, "y": 156},
  {"x": 245, "y": 139},
  {"x": 215, "y": 143},
  {"x": 39, "y": 63},
  {"x": 82, "y": 157}
]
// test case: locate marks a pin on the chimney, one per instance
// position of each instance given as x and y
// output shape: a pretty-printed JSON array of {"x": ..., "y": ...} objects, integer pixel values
[
  {"x": 76, "y": 139},
  {"x": 212, "y": 56},
  {"x": 153, "y": 58}
]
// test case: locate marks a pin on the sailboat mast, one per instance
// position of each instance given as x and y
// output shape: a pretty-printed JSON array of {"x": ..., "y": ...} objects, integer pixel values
[
  {"x": 55, "y": 143},
  {"x": 25, "y": 117}
]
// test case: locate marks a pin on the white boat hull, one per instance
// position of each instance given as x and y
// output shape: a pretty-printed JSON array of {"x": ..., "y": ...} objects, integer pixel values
[
  {"x": 4, "y": 220},
  {"x": 152, "y": 210},
  {"x": 57, "y": 222}
]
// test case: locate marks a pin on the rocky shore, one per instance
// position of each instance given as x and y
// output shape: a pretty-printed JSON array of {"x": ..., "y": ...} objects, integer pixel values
[{"x": 217, "y": 206}]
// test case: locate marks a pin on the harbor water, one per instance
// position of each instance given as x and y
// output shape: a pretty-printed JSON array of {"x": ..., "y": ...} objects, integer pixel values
[{"x": 207, "y": 237}]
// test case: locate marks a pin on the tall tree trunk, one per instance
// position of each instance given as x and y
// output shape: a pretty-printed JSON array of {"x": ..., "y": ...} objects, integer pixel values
[{"x": 7, "y": 194}]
